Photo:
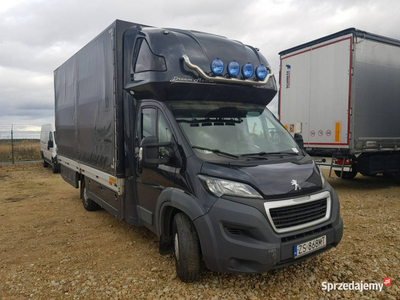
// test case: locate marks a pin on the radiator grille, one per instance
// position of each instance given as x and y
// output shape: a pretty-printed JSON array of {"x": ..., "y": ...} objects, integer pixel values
[{"x": 289, "y": 216}]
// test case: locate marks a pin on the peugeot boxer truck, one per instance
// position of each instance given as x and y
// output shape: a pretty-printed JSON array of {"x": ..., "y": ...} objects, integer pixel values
[{"x": 168, "y": 129}]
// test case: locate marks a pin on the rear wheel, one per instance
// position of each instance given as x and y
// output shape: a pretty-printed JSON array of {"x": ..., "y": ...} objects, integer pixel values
[
  {"x": 88, "y": 203},
  {"x": 347, "y": 175},
  {"x": 187, "y": 250}
]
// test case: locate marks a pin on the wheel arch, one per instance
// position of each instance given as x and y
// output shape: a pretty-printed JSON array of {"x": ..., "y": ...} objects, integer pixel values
[{"x": 171, "y": 202}]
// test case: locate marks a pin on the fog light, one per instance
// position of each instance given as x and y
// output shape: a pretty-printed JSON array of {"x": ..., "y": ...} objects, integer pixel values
[
  {"x": 233, "y": 68},
  {"x": 217, "y": 66},
  {"x": 261, "y": 72},
  {"x": 248, "y": 70}
]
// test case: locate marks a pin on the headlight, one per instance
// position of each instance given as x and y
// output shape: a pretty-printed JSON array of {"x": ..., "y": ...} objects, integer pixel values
[
  {"x": 220, "y": 187},
  {"x": 323, "y": 180}
]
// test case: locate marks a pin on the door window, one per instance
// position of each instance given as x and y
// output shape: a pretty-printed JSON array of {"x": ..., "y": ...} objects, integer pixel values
[
  {"x": 164, "y": 133},
  {"x": 149, "y": 121},
  {"x": 155, "y": 124}
]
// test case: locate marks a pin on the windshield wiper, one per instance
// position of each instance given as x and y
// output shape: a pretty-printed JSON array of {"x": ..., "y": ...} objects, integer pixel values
[
  {"x": 263, "y": 153},
  {"x": 283, "y": 153},
  {"x": 259, "y": 155},
  {"x": 216, "y": 151}
]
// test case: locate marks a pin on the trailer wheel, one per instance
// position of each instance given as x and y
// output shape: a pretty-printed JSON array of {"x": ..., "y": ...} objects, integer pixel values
[
  {"x": 347, "y": 175},
  {"x": 88, "y": 203},
  {"x": 187, "y": 251}
]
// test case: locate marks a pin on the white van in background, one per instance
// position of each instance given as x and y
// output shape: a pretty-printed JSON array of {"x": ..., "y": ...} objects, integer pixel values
[{"x": 48, "y": 147}]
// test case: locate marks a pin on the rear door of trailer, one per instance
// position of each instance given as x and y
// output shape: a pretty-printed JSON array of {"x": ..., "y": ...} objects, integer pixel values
[{"x": 315, "y": 92}]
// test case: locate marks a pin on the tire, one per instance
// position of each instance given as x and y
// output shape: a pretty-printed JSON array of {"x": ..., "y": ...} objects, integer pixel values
[
  {"x": 347, "y": 175},
  {"x": 45, "y": 164},
  {"x": 187, "y": 251},
  {"x": 88, "y": 203}
]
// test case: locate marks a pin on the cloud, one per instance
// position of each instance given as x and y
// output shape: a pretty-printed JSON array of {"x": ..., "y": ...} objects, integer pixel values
[{"x": 37, "y": 36}]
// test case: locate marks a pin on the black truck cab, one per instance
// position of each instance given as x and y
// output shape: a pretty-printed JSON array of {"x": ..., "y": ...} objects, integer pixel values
[
  {"x": 205, "y": 165},
  {"x": 208, "y": 147}
]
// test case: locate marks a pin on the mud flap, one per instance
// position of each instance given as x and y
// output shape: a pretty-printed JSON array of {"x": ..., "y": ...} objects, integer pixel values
[{"x": 70, "y": 176}]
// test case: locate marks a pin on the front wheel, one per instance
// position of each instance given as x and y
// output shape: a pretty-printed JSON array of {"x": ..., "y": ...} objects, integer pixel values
[
  {"x": 88, "y": 203},
  {"x": 187, "y": 251}
]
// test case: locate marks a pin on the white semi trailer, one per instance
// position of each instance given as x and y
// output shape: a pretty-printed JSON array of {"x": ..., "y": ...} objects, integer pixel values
[{"x": 342, "y": 93}]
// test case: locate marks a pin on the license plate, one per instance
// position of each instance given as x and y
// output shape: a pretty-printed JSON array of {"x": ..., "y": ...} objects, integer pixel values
[{"x": 310, "y": 246}]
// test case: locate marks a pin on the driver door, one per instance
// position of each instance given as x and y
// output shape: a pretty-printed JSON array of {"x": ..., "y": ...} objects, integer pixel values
[{"x": 152, "y": 180}]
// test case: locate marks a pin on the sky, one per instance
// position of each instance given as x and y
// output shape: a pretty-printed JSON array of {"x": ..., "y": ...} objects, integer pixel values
[{"x": 37, "y": 36}]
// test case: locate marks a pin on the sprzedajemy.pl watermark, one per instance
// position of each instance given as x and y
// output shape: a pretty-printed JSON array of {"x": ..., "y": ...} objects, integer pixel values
[{"x": 356, "y": 286}]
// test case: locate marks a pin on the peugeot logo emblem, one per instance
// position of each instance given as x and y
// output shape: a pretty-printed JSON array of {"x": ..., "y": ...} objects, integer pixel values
[{"x": 296, "y": 185}]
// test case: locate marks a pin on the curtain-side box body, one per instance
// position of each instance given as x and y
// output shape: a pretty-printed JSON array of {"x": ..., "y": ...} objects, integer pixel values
[
  {"x": 341, "y": 92},
  {"x": 89, "y": 103}
]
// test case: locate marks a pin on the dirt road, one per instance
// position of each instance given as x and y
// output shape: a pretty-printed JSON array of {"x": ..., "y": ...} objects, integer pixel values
[{"x": 51, "y": 248}]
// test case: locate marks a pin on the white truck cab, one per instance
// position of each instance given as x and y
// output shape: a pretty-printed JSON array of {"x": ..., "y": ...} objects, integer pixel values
[{"x": 48, "y": 147}]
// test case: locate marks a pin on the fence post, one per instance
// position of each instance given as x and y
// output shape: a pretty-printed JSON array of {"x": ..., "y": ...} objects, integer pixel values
[{"x": 12, "y": 144}]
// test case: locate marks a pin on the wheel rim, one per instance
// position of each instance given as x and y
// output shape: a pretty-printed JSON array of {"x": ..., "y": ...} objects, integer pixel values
[
  {"x": 176, "y": 245},
  {"x": 85, "y": 196}
]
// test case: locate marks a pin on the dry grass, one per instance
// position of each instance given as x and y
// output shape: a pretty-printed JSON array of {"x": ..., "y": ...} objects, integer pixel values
[{"x": 23, "y": 150}]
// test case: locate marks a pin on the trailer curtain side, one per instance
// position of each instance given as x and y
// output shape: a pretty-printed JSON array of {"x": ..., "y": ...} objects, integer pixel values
[{"x": 88, "y": 105}]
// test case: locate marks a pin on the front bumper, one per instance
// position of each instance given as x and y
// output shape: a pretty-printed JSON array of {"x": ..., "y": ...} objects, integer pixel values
[{"x": 236, "y": 238}]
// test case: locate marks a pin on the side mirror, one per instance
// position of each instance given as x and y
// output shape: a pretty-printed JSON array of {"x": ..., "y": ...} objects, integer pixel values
[
  {"x": 50, "y": 144},
  {"x": 149, "y": 153},
  {"x": 299, "y": 140}
]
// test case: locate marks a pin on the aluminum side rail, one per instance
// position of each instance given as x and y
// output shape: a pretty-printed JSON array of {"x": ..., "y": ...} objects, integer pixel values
[{"x": 113, "y": 183}]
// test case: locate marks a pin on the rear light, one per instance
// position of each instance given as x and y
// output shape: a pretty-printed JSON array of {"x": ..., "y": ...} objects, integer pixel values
[{"x": 339, "y": 161}]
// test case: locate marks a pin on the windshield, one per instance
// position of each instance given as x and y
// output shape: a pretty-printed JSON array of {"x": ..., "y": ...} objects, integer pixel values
[{"x": 232, "y": 129}]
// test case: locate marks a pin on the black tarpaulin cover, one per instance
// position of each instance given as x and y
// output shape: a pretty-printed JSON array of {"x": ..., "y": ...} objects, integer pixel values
[{"x": 84, "y": 104}]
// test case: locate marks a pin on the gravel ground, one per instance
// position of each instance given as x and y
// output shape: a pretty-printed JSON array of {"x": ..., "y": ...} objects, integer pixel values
[{"x": 51, "y": 248}]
